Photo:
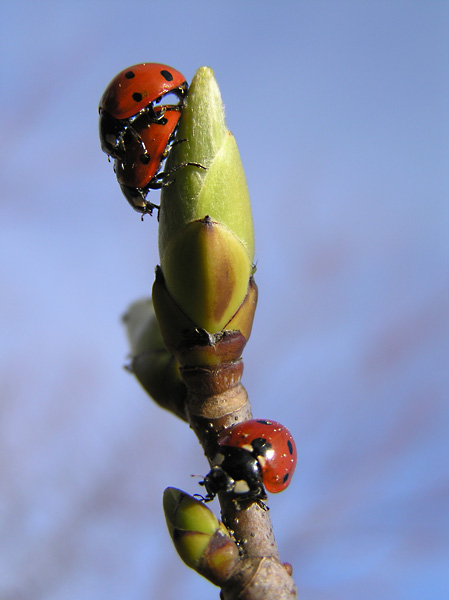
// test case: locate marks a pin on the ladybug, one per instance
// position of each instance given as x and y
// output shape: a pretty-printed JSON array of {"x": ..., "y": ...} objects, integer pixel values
[
  {"x": 144, "y": 151},
  {"x": 138, "y": 132},
  {"x": 133, "y": 92},
  {"x": 253, "y": 456},
  {"x": 138, "y": 168}
]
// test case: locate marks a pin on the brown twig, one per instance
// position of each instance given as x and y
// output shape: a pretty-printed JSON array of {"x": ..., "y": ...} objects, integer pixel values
[{"x": 259, "y": 575}]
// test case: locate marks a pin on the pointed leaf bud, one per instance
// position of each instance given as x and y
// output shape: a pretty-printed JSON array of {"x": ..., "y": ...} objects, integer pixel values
[{"x": 206, "y": 238}]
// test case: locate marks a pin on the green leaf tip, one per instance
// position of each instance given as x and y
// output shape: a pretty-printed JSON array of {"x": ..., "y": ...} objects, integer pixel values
[{"x": 220, "y": 191}]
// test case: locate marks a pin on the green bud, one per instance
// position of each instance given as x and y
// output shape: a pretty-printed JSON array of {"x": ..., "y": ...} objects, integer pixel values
[
  {"x": 202, "y": 541},
  {"x": 191, "y": 546},
  {"x": 220, "y": 191},
  {"x": 206, "y": 238},
  {"x": 195, "y": 347},
  {"x": 207, "y": 270},
  {"x": 142, "y": 327},
  {"x": 156, "y": 369},
  {"x": 187, "y": 513}
]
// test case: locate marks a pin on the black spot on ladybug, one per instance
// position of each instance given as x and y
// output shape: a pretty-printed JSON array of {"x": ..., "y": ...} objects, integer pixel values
[
  {"x": 167, "y": 75},
  {"x": 129, "y": 75},
  {"x": 260, "y": 446},
  {"x": 263, "y": 422},
  {"x": 290, "y": 447},
  {"x": 145, "y": 159},
  {"x": 285, "y": 478},
  {"x": 137, "y": 97}
]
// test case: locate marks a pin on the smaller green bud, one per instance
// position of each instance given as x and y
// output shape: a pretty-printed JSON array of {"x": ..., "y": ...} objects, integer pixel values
[
  {"x": 191, "y": 546},
  {"x": 156, "y": 369},
  {"x": 202, "y": 541},
  {"x": 187, "y": 513},
  {"x": 142, "y": 327}
]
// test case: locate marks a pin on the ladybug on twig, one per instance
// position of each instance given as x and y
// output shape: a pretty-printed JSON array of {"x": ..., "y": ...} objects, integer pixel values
[{"x": 253, "y": 456}]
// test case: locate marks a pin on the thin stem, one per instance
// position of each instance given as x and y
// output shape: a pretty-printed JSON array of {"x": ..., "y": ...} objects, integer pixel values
[{"x": 260, "y": 573}]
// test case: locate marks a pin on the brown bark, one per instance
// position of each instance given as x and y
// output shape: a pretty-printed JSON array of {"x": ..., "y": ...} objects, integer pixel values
[{"x": 260, "y": 575}]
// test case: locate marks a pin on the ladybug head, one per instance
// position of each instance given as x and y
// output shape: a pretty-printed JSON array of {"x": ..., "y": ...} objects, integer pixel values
[
  {"x": 235, "y": 471},
  {"x": 217, "y": 480}
]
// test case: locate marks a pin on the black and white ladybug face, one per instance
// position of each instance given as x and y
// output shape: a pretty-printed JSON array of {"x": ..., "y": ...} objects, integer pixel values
[
  {"x": 217, "y": 480},
  {"x": 235, "y": 471}
]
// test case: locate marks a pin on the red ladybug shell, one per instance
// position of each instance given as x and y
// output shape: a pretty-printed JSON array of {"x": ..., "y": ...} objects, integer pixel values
[
  {"x": 141, "y": 160},
  {"x": 133, "y": 89},
  {"x": 277, "y": 459}
]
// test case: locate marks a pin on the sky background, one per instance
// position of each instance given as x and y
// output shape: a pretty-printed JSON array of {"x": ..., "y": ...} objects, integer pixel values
[{"x": 340, "y": 111}]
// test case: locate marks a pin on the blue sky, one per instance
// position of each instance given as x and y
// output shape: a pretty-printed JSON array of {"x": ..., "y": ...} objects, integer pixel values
[{"x": 340, "y": 111}]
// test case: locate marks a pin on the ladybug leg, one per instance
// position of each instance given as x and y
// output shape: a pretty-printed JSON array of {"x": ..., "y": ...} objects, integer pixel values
[
  {"x": 202, "y": 498},
  {"x": 262, "y": 505},
  {"x": 186, "y": 164},
  {"x": 163, "y": 179},
  {"x": 166, "y": 174},
  {"x": 149, "y": 207},
  {"x": 241, "y": 504},
  {"x": 159, "y": 181},
  {"x": 130, "y": 129},
  {"x": 209, "y": 496},
  {"x": 259, "y": 499},
  {"x": 157, "y": 117},
  {"x": 178, "y": 142},
  {"x": 119, "y": 149},
  {"x": 138, "y": 139},
  {"x": 258, "y": 495},
  {"x": 179, "y": 92}
]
